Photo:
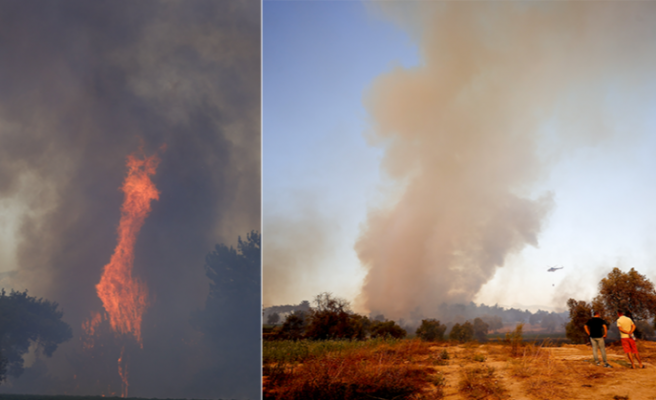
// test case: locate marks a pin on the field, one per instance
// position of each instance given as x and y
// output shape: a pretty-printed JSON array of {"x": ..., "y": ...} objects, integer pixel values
[{"x": 412, "y": 369}]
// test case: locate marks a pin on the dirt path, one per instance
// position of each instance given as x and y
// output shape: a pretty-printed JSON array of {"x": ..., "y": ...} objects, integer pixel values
[{"x": 566, "y": 372}]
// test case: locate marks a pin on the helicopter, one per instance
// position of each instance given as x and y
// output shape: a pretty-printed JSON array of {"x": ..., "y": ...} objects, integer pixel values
[{"x": 554, "y": 269}]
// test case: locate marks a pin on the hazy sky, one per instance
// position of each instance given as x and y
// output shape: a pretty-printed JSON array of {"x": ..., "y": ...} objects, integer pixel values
[{"x": 423, "y": 152}]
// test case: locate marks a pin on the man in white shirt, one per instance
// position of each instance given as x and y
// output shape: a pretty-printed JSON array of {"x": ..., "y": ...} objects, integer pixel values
[{"x": 626, "y": 327}]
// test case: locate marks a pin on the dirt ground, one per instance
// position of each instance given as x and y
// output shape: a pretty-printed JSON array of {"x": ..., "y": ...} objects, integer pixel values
[{"x": 566, "y": 372}]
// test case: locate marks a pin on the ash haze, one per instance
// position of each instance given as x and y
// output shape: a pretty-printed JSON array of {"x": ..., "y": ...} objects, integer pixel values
[
  {"x": 454, "y": 151},
  {"x": 84, "y": 84}
]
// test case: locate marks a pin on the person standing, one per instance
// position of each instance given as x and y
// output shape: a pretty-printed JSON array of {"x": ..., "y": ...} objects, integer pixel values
[
  {"x": 626, "y": 327},
  {"x": 597, "y": 329}
]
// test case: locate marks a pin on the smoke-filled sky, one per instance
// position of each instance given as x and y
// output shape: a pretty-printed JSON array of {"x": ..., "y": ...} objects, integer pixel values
[
  {"x": 425, "y": 152},
  {"x": 84, "y": 84}
]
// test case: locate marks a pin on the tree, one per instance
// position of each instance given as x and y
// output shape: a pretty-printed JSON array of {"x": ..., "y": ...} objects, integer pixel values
[
  {"x": 431, "y": 330},
  {"x": 231, "y": 319},
  {"x": 294, "y": 326},
  {"x": 25, "y": 320},
  {"x": 630, "y": 292},
  {"x": 579, "y": 313},
  {"x": 273, "y": 319},
  {"x": 462, "y": 333},
  {"x": 232, "y": 309},
  {"x": 387, "y": 329},
  {"x": 331, "y": 319},
  {"x": 480, "y": 330}
]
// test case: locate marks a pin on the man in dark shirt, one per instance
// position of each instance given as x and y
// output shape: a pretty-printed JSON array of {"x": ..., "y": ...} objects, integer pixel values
[{"x": 597, "y": 329}]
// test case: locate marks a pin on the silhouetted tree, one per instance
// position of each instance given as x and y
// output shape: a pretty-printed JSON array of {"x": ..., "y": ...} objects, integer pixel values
[
  {"x": 330, "y": 319},
  {"x": 25, "y": 320},
  {"x": 232, "y": 309},
  {"x": 231, "y": 317},
  {"x": 579, "y": 313},
  {"x": 294, "y": 326},
  {"x": 387, "y": 329},
  {"x": 273, "y": 319},
  {"x": 431, "y": 330}
]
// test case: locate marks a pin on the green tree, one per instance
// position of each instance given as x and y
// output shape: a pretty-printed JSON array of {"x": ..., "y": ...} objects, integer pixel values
[
  {"x": 579, "y": 313},
  {"x": 628, "y": 291},
  {"x": 387, "y": 329},
  {"x": 25, "y": 320},
  {"x": 431, "y": 330},
  {"x": 462, "y": 333}
]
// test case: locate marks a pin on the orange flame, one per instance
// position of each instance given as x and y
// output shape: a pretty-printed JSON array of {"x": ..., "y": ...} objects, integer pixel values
[
  {"x": 124, "y": 297},
  {"x": 89, "y": 327},
  {"x": 123, "y": 372}
]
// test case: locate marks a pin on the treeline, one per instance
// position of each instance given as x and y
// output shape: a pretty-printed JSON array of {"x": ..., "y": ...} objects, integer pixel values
[
  {"x": 331, "y": 318},
  {"x": 451, "y": 314}
]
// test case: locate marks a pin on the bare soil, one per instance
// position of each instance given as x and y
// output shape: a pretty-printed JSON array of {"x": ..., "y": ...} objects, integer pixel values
[{"x": 566, "y": 372}]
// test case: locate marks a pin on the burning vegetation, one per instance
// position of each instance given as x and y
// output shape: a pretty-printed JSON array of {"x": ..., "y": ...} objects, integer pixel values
[{"x": 123, "y": 296}]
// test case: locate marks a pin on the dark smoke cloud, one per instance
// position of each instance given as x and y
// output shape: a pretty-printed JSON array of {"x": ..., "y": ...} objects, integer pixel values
[
  {"x": 463, "y": 132},
  {"x": 82, "y": 85}
]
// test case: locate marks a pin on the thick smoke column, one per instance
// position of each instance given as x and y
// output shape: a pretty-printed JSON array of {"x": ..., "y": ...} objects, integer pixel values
[{"x": 462, "y": 135}]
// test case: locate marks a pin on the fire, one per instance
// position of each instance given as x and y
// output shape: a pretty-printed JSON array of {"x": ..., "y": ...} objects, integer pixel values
[
  {"x": 123, "y": 372},
  {"x": 89, "y": 328},
  {"x": 124, "y": 297}
]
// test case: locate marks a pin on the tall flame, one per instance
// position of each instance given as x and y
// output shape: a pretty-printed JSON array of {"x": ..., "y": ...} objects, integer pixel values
[
  {"x": 123, "y": 372},
  {"x": 124, "y": 297}
]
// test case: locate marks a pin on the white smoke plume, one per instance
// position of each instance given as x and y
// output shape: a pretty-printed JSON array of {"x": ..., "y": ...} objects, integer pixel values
[{"x": 466, "y": 140}]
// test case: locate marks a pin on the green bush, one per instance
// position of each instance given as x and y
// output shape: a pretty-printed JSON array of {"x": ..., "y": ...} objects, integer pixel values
[{"x": 431, "y": 330}]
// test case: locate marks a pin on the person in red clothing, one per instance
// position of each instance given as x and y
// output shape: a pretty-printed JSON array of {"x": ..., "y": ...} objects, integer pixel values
[{"x": 626, "y": 327}]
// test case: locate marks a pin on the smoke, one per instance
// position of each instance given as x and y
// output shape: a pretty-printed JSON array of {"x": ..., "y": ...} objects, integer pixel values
[
  {"x": 294, "y": 253},
  {"x": 82, "y": 86},
  {"x": 503, "y": 90}
]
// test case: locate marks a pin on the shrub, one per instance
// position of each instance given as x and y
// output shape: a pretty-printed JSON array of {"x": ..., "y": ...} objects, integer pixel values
[
  {"x": 387, "y": 329},
  {"x": 431, "y": 330},
  {"x": 462, "y": 333},
  {"x": 515, "y": 340}
]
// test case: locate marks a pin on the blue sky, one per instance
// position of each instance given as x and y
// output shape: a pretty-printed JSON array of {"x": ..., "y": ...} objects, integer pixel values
[{"x": 314, "y": 152}]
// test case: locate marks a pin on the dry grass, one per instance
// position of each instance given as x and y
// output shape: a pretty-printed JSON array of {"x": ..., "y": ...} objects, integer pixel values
[
  {"x": 481, "y": 383},
  {"x": 545, "y": 377},
  {"x": 542, "y": 375},
  {"x": 400, "y": 371}
]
